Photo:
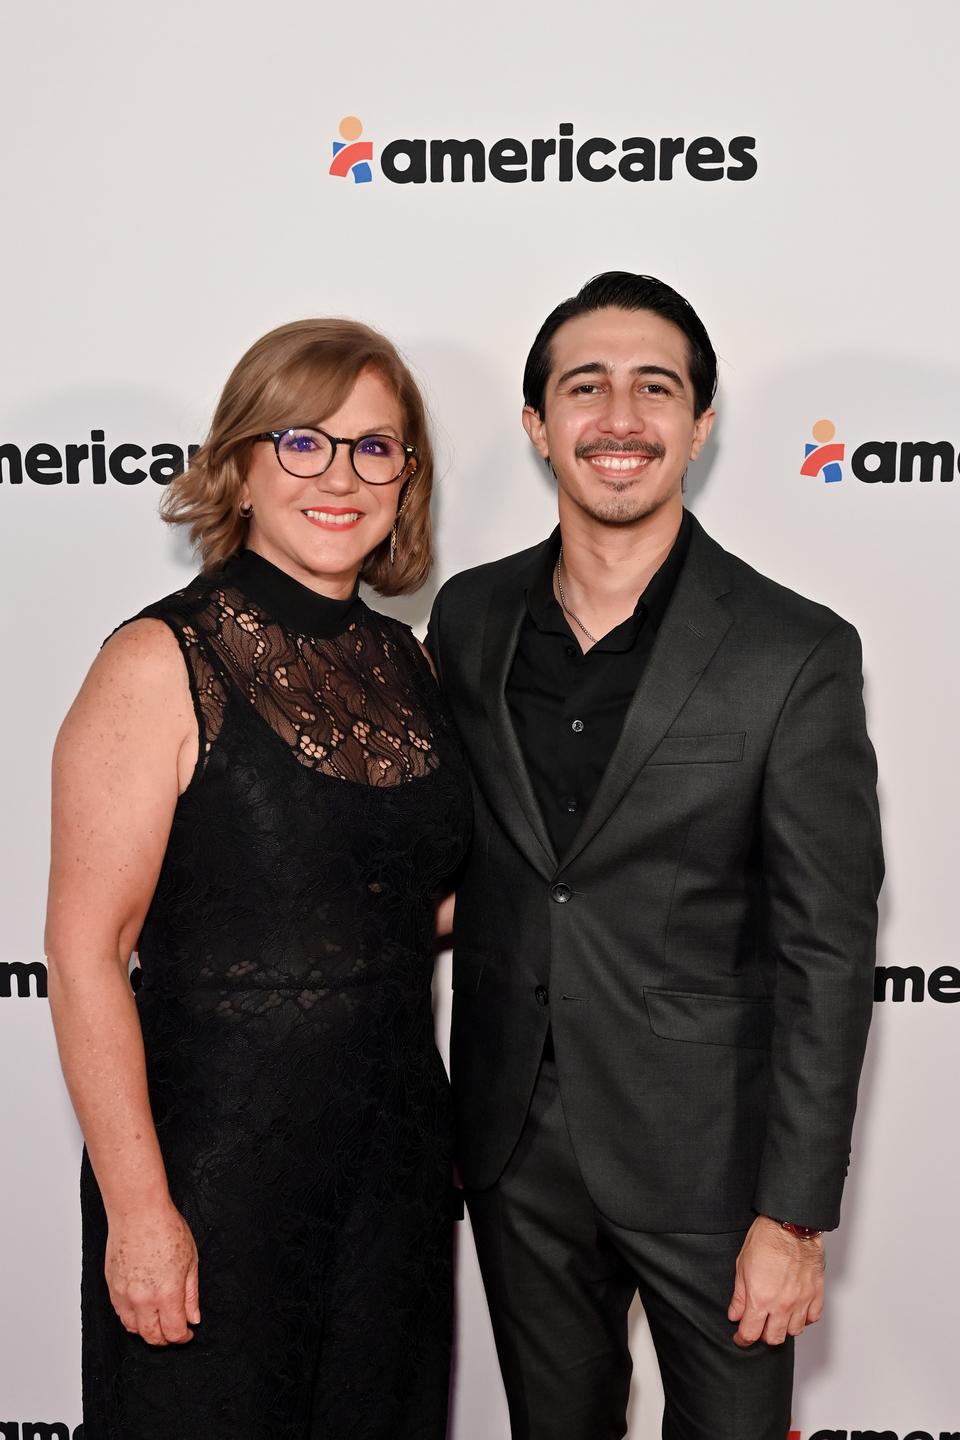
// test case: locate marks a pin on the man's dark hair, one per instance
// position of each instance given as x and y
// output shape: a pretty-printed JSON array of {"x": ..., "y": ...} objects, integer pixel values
[{"x": 619, "y": 290}]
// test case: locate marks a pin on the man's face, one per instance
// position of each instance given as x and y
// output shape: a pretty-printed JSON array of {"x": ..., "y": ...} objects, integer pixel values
[{"x": 619, "y": 428}]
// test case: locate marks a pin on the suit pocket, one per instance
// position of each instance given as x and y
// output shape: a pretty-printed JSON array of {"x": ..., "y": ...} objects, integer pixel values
[
  {"x": 710, "y": 1019},
  {"x": 468, "y": 968},
  {"x": 699, "y": 749}
]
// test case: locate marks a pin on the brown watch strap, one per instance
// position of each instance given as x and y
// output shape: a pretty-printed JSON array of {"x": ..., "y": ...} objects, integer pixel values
[{"x": 802, "y": 1232}]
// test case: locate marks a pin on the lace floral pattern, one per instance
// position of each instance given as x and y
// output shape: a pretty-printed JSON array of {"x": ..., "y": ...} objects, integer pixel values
[{"x": 344, "y": 706}]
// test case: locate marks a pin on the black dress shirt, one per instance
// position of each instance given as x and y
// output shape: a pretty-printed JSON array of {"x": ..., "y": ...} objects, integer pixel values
[{"x": 568, "y": 707}]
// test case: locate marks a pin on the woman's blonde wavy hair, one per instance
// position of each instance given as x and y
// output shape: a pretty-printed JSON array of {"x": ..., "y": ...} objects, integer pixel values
[{"x": 297, "y": 375}]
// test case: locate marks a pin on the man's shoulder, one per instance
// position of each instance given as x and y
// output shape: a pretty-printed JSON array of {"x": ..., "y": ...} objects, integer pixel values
[
  {"x": 769, "y": 604},
  {"x": 480, "y": 581}
]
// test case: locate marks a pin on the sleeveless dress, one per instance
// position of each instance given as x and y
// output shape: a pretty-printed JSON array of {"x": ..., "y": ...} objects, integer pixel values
[{"x": 285, "y": 1002}]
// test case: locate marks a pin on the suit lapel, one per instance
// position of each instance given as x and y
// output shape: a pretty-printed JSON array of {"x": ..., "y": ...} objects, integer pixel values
[
  {"x": 505, "y": 779},
  {"x": 693, "y": 627}
]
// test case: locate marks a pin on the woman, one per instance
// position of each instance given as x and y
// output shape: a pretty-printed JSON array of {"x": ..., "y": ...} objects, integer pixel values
[{"x": 256, "y": 789}]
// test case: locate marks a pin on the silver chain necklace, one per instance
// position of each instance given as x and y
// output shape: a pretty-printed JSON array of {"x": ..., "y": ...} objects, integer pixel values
[{"x": 575, "y": 618}]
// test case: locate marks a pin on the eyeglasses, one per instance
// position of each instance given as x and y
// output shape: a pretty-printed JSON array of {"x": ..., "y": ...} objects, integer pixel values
[{"x": 306, "y": 451}]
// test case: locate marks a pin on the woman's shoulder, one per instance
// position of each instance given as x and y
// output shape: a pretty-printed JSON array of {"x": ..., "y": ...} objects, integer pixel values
[
  {"x": 137, "y": 680},
  {"x": 180, "y": 606},
  {"x": 144, "y": 653},
  {"x": 403, "y": 638},
  {"x": 179, "y": 619},
  {"x": 153, "y": 642}
]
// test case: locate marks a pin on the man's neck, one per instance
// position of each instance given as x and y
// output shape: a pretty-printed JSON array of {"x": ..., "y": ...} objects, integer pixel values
[{"x": 606, "y": 568}]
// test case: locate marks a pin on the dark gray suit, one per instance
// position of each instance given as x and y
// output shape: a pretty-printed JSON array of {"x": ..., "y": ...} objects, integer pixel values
[{"x": 704, "y": 950}]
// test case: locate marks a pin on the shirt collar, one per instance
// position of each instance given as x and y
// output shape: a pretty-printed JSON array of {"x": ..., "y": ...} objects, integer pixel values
[{"x": 546, "y": 613}]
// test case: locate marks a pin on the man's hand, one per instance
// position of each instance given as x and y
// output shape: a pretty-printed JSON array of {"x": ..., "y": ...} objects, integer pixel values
[{"x": 779, "y": 1285}]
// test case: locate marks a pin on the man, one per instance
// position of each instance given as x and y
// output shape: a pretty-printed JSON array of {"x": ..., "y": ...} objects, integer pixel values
[{"x": 664, "y": 935}]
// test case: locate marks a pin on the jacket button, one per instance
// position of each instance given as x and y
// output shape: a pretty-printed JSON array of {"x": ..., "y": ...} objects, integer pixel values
[
  {"x": 561, "y": 893},
  {"x": 541, "y": 995}
]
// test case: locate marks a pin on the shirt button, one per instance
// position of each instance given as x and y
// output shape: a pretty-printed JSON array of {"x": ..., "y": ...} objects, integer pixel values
[
  {"x": 576, "y": 726},
  {"x": 541, "y": 995},
  {"x": 571, "y": 652},
  {"x": 571, "y": 807},
  {"x": 561, "y": 893}
]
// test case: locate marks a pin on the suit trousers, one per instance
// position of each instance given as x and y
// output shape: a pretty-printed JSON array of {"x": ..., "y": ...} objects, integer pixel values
[{"x": 560, "y": 1278}]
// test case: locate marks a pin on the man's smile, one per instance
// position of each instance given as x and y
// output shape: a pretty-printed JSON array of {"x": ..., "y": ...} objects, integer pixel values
[
  {"x": 620, "y": 465},
  {"x": 621, "y": 461}
]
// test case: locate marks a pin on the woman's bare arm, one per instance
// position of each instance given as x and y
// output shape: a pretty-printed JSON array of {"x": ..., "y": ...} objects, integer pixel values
[
  {"x": 124, "y": 752},
  {"x": 444, "y": 918}
]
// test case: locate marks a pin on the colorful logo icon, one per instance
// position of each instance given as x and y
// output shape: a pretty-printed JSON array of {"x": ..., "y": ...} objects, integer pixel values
[
  {"x": 351, "y": 155},
  {"x": 823, "y": 454}
]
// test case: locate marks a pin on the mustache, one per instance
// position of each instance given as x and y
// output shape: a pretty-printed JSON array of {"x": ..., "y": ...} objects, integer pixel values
[{"x": 651, "y": 449}]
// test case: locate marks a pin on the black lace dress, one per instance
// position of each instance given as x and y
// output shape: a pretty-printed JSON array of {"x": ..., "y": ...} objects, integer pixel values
[{"x": 299, "y": 1098}]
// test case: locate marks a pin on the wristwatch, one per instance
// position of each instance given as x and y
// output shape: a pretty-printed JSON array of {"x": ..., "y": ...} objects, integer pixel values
[{"x": 801, "y": 1232}]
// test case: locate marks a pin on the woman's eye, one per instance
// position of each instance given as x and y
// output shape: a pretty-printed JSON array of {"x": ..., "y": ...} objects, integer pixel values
[
  {"x": 373, "y": 445},
  {"x": 300, "y": 443}
]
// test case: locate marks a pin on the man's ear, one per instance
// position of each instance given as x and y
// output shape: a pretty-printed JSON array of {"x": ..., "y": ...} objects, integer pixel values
[
  {"x": 701, "y": 432},
  {"x": 536, "y": 429}
]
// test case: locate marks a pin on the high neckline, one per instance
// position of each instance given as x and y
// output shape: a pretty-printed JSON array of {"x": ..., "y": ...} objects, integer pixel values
[{"x": 294, "y": 605}]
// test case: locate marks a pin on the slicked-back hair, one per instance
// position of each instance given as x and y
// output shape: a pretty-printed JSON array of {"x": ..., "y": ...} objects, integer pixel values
[{"x": 621, "y": 290}]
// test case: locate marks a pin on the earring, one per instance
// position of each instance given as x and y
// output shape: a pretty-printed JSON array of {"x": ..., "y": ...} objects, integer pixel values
[
  {"x": 246, "y": 511},
  {"x": 393, "y": 532}
]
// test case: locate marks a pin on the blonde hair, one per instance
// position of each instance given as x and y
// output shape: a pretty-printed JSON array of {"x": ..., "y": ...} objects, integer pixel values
[{"x": 301, "y": 372}]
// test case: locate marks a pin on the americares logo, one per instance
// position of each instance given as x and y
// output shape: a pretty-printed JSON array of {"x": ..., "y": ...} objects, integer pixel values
[
  {"x": 894, "y": 982},
  {"x": 38, "y": 1430},
  {"x": 23, "y": 980},
  {"x": 351, "y": 155},
  {"x": 878, "y": 461},
  {"x": 876, "y": 1435},
  {"x": 563, "y": 158},
  {"x": 822, "y": 457},
  {"x": 46, "y": 464}
]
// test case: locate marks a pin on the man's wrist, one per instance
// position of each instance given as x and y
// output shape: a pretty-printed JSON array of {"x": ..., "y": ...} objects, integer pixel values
[{"x": 799, "y": 1232}]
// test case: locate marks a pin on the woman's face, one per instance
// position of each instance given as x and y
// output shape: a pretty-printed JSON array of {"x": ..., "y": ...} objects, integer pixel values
[{"x": 321, "y": 529}]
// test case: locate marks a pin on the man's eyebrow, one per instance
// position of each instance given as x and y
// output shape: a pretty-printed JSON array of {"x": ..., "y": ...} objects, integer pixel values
[
  {"x": 597, "y": 367},
  {"x": 592, "y": 367}
]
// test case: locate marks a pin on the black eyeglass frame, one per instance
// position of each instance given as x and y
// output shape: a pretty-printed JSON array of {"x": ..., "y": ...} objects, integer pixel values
[{"x": 410, "y": 451}]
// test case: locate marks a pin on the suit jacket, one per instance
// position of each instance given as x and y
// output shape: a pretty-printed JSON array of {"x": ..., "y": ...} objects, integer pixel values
[{"x": 704, "y": 950}]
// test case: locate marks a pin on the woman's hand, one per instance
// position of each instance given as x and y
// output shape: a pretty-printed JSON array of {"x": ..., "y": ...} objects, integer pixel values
[{"x": 152, "y": 1275}]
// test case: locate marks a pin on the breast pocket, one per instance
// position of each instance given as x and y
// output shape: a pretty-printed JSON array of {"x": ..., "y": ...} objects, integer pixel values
[
  {"x": 740, "y": 1020},
  {"x": 700, "y": 749}
]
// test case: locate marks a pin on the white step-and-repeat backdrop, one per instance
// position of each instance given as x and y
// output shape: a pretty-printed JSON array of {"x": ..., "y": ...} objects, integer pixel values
[{"x": 179, "y": 178}]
